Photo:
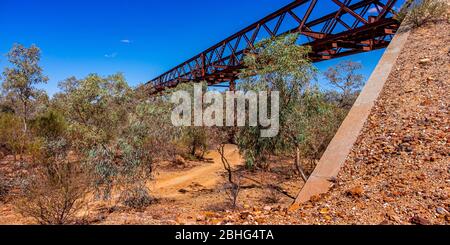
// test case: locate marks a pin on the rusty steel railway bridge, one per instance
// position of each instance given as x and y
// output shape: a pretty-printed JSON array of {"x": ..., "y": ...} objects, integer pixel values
[{"x": 347, "y": 27}]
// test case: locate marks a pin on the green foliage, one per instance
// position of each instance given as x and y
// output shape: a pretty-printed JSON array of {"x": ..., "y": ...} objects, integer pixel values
[
  {"x": 137, "y": 198},
  {"x": 347, "y": 80},
  {"x": 308, "y": 118},
  {"x": 256, "y": 150},
  {"x": 420, "y": 12},
  {"x": 11, "y": 133},
  {"x": 115, "y": 132},
  {"x": 50, "y": 125},
  {"x": 118, "y": 164},
  {"x": 196, "y": 138},
  {"x": 279, "y": 57},
  {"x": 150, "y": 126},
  {"x": 21, "y": 78},
  {"x": 96, "y": 107},
  {"x": 97, "y": 132},
  {"x": 317, "y": 122},
  {"x": 54, "y": 194},
  {"x": 278, "y": 64}
]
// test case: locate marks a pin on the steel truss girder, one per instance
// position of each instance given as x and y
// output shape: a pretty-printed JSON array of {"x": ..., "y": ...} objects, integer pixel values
[{"x": 349, "y": 30}]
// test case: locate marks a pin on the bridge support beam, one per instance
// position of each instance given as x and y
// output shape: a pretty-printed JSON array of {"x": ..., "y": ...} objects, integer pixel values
[{"x": 335, "y": 156}]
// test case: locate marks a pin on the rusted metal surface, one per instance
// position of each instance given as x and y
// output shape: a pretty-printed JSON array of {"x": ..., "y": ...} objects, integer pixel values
[{"x": 351, "y": 26}]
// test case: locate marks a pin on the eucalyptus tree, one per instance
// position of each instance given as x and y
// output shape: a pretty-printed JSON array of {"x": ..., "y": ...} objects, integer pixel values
[
  {"x": 277, "y": 64},
  {"x": 96, "y": 107},
  {"x": 21, "y": 79},
  {"x": 345, "y": 77}
]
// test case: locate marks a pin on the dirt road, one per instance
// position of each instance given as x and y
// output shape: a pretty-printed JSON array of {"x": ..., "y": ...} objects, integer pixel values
[{"x": 207, "y": 176}]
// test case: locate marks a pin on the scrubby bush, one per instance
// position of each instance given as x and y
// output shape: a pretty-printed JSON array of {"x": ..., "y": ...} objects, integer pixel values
[
  {"x": 96, "y": 108},
  {"x": 137, "y": 197},
  {"x": 12, "y": 135},
  {"x": 50, "y": 125},
  {"x": 109, "y": 129},
  {"x": 120, "y": 165},
  {"x": 196, "y": 139},
  {"x": 4, "y": 187},
  {"x": 4, "y": 108},
  {"x": 54, "y": 194},
  {"x": 150, "y": 123},
  {"x": 318, "y": 122},
  {"x": 278, "y": 64},
  {"x": 419, "y": 12}
]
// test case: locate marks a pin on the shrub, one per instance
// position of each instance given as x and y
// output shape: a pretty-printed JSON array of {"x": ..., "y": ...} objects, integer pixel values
[
  {"x": 280, "y": 64},
  {"x": 137, "y": 198},
  {"x": 423, "y": 11},
  {"x": 256, "y": 150},
  {"x": 150, "y": 124},
  {"x": 120, "y": 164},
  {"x": 50, "y": 125},
  {"x": 54, "y": 194},
  {"x": 11, "y": 133},
  {"x": 4, "y": 187},
  {"x": 4, "y": 151},
  {"x": 6, "y": 109},
  {"x": 196, "y": 138}
]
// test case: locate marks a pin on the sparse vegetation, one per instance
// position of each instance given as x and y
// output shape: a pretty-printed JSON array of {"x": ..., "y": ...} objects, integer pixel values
[
  {"x": 19, "y": 86},
  {"x": 308, "y": 119},
  {"x": 54, "y": 194},
  {"x": 99, "y": 136},
  {"x": 137, "y": 198},
  {"x": 420, "y": 12},
  {"x": 233, "y": 185},
  {"x": 345, "y": 77},
  {"x": 282, "y": 65},
  {"x": 4, "y": 187},
  {"x": 98, "y": 150},
  {"x": 12, "y": 135},
  {"x": 196, "y": 139}
]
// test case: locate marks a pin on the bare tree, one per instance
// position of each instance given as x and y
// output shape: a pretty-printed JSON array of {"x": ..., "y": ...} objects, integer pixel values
[{"x": 233, "y": 187}]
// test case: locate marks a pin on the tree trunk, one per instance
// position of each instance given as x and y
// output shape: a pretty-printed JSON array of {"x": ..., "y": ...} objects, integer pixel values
[
  {"x": 297, "y": 164},
  {"x": 25, "y": 130},
  {"x": 194, "y": 149}
]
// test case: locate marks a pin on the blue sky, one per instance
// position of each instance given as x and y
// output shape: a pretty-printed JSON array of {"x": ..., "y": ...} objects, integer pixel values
[{"x": 141, "y": 38}]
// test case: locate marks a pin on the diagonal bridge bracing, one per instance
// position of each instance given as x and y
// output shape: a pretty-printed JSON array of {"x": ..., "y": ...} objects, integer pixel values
[{"x": 333, "y": 28}]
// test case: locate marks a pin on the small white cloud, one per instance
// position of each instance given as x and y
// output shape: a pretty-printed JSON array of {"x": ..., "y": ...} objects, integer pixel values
[
  {"x": 126, "y": 41},
  {"x": 374, "y": 10},
  {"x": 111, "y": 56}
]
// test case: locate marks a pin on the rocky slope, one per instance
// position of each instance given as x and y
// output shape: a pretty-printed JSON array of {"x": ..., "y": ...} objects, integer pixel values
[{"x": 399, "y": 169}]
